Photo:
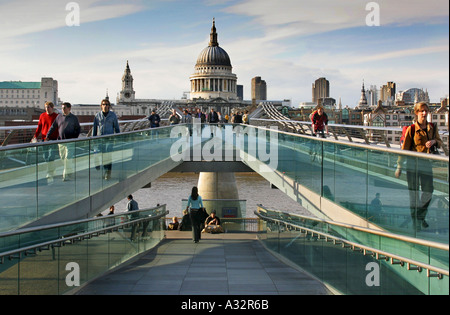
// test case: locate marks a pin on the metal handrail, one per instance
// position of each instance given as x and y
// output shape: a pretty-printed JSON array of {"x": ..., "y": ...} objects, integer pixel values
[
  {"x": 398, "y": 129},
  {"x": 337, "y": 128},
  {"x": 366, "y": 250},
  {"x": 364, "y": 146},
  {"x": 63, "y": 224},
  {"x": 353, "y": 144},
  {"x": 394, "y": 236},
  {"x": 218, "y": 199},
  {"x": 78, "y": 237},
  {"x": 29, "y": 145},
  {"x": 124, "y": 123},
  {"x": 81, "y": 124}
]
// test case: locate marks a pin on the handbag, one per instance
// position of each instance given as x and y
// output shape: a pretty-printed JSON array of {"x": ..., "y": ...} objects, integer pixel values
[
  {"x": 434, "y": 148},
  {"x": 203, "y": 214}
]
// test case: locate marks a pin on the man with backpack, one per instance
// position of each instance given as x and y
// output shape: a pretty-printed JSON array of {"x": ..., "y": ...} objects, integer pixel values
[{"x": 421, "y": 136}]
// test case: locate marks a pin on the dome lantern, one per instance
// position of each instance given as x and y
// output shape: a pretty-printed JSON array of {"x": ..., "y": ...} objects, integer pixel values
[{"x": 213, "y": 37}]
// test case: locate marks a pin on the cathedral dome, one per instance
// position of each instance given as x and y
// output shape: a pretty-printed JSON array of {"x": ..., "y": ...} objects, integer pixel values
[
  {"x": 213, "y": 77},
  {"x": 213, "y": 55}
]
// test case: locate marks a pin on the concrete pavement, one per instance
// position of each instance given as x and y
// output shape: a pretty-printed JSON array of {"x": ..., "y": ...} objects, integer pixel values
[{"x": 220, "y": 264}]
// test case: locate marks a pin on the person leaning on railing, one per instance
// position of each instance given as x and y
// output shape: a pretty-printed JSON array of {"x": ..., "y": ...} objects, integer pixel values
[
  {"x": 420, "y": 137},
  {"x": 174, "y": 119},
  {"x": 245, "y": 118},
  {"x": 319, "y": 120},
  {"x": 154, "y": 119}
]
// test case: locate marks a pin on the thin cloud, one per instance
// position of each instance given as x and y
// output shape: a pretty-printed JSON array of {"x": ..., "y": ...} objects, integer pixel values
[
  {"x": 316, "y": 16},
  {"x": 265, "y": 40},
  {"x": 403, "y": 53},
  {"x": 24, "y": 17}
]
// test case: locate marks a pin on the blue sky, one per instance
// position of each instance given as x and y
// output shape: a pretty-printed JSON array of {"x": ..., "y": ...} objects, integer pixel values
[{"x": 289, "y": 43}]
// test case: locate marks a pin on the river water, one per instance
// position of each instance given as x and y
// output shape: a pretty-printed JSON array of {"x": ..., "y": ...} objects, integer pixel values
[{"x": 171, "y": 188}]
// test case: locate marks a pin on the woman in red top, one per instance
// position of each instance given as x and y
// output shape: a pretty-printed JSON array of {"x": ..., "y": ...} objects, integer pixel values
[
  {"x": 49, "y": 151},
  {"x": 45, "y": 122}
]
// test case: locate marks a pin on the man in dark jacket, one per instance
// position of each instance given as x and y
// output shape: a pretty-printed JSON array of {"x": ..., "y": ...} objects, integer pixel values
[
  {"x": 199, "y": 114},
  {"x": 68, "y": 127},
  {"x": 132, "y": 205},
  {"x": 66, "y": 123},
  {"x": 238, "y": 118},
  {"x": 154, "y": 119},
  {"x": 154, "y": 123},
  {"x": 213, "y": 120}
]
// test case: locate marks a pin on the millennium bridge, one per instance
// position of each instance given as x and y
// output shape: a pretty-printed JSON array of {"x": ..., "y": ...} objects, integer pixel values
[{"x": 52, "y": 241}]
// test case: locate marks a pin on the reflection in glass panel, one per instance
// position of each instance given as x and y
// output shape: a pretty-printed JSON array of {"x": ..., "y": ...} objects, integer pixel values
[
  {"x": 18, "y": 177},
  {"x": 47, "y": 268},
  {"x": 348, "y": 270},
  {"x": 351, "y": 176}
]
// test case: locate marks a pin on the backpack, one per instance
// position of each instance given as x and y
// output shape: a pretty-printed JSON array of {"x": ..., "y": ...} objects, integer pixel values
[
  {"x": 402, "y": 138},
  {"x": 413, "y": 130}
]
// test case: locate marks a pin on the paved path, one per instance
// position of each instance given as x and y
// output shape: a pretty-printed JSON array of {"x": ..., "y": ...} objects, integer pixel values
[{"x": 221, "y": 264}]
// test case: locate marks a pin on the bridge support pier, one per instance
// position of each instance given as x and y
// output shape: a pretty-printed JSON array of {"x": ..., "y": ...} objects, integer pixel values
[{"x": 222, "y": 188}]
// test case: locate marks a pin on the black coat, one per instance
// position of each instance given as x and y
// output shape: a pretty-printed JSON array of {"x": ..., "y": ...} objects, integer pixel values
[{"x": 185, "y": 224}]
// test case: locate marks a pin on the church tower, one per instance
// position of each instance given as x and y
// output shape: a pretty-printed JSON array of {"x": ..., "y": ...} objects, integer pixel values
[
  {"x": 363, "y": 101},
  {"x": 127, "y": 93}
]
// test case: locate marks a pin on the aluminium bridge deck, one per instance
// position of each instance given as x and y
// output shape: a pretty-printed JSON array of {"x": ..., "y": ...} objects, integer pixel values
[{"x": 220, "y": 264}]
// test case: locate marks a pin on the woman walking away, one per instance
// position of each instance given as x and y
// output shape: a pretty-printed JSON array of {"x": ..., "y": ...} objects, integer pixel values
[{"x": 195, "y": 202}]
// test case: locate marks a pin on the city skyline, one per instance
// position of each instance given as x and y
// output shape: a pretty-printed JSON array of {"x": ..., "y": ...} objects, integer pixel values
[{"x": 289, "y": 44}]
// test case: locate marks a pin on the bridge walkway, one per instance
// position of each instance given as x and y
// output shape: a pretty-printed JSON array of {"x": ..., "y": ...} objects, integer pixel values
[{"x": 220, "y": 264}]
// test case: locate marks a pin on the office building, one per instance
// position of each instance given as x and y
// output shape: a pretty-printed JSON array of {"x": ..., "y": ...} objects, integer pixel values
[
  {"x": 20, "y": 94},
  {"x": 320, "y": 89},
  {"x": 259, "y": 89}
]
